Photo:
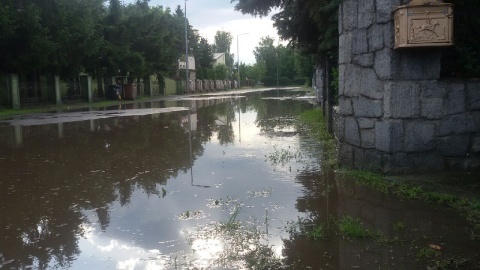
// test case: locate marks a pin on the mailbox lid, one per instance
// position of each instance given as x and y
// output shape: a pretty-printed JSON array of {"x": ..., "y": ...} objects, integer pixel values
[
  {"x": 424, "y": 25},
  {"x": 430, "y": 24}
]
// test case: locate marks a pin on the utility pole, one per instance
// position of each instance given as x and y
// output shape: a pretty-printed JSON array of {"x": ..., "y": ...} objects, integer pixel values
[{"x": 186, "y": 50}]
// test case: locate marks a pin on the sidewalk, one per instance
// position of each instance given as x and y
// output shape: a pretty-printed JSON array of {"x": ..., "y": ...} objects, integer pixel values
[{"x": 74, "y": 105}]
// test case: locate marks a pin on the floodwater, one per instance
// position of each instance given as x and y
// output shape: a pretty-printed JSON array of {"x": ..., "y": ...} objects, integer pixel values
[{"x": 205, "y": 182}]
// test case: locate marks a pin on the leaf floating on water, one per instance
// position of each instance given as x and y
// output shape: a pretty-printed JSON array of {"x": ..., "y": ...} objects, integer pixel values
[{"x": 435, "y": 247}]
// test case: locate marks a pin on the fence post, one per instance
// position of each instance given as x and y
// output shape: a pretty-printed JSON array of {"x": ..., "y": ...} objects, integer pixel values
[
  {"x": 58, "y": 96},
  {"x": 15, "y": 88}
]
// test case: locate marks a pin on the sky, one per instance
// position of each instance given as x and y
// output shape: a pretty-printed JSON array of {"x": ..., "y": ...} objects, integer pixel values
[{"x": 210, "y": 16}]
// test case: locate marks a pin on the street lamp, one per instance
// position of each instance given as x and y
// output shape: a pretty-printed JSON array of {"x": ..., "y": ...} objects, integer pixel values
[
  {"x": 186, "y": 49},
  {"x": 238, "y": 60}
]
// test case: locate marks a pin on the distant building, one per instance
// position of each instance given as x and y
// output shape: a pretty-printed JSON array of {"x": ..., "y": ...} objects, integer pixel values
[
  {"x": 191, "y": 66},
  {"x": 219, "y": 58}
]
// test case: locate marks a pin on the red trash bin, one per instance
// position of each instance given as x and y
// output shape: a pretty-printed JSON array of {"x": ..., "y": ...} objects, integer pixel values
[{"x": 129, "y": 91}]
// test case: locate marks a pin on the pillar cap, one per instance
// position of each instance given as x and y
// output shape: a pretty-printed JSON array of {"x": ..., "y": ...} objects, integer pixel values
[{"x": 424, "y": 2}]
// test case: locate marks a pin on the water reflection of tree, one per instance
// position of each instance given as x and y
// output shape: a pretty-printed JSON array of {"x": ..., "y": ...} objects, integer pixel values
[
  {"x": 319, "y": 203},
  {"x": 273, "y": 114},
  {"x": 50, "y": 182},
  {"x": 225, "y": 133}
]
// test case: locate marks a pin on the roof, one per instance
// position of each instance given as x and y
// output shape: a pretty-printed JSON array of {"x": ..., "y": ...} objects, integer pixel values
[{"x": 218, "y": 55}]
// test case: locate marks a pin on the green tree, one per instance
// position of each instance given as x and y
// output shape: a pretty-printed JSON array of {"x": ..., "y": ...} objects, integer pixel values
[
  {"x": 266, "y": 53},
  {"x": 57, "y": 36},
  {"x": 285, "y": 58},
  {"x": 223, "y": 42},
  {"x": 309, "y": 24},
  {"x": 204, "y": 56},
  {"x": 256, "y": 72},
  {"x": 463, "y": 59},
  {"x": 27, "y": 44},
  {"x": 221, "y": 71},
  {"x": 67, "y": 37},
  {"x": 304, "y": 66},
  {"x": 277, "y": 63}
]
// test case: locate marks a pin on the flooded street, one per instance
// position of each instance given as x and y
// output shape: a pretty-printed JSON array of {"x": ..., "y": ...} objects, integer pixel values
[{"x": 206, "y": 182}]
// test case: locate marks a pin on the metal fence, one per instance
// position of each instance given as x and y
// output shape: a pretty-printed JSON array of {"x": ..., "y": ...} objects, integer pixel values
[
  {"x": 30, "y": 92},
  {"x": 74, "y": 90}
]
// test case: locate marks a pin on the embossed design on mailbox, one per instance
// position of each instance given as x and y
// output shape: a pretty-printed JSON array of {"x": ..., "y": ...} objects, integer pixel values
[{"x": 423, "y": 23}]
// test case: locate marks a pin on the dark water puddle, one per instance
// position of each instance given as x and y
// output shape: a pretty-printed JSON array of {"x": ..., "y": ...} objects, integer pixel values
[{"x": 231, "y": 183}]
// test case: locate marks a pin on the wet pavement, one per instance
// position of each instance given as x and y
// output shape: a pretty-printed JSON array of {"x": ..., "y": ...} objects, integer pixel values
[{"x": 218, "y": 181}]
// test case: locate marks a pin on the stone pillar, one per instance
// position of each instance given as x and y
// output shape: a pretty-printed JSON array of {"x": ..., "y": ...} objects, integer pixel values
[
  {"x": 15, "y": 88},
  {"x": 380, "y": 121}
]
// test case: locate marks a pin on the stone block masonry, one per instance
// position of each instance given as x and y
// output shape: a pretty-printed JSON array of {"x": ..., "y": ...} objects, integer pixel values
[{"x": 395, "y": 113}]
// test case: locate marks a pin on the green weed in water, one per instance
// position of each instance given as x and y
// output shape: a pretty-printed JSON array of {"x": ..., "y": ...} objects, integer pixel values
[
  {"x": 399, "y": 226},
  {"x": 316, "y": 232},
  {"x": 426, "y": 254},
  {"x": 283, "y": 156},
  {"x": 352, "y": 228}
]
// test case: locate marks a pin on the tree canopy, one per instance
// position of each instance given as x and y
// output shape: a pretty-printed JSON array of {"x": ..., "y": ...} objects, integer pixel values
[
  {"x": 463, "y": 59},
  {"x": 223, "y": 42},
  {"x": 310, "y": 25},
  {"x": 280, "y": 64},
  {"x": 95, "y": 36}
]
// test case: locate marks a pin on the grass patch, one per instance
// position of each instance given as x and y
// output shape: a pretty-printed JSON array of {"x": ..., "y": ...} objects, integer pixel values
[
  {"x": 366, "y": 178},
  {"x": 399, "y": 226},
  {"x": 352, "y": 228},
  {"x": 426, "y": 254}
]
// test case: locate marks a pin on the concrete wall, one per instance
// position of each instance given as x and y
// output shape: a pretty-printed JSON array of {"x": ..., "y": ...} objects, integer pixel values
[
  {"x": 170, "y": 87},
  {"x": 394, "y": 113}
]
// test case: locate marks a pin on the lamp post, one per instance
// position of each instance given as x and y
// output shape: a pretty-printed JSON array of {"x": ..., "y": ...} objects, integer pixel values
[
  {"x": 238, "y": 60},
  {"x": 186, "y": 50}
]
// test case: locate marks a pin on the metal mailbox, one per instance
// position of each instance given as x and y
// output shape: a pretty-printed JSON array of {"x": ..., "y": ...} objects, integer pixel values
[{"x": 423, "y": 23}]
